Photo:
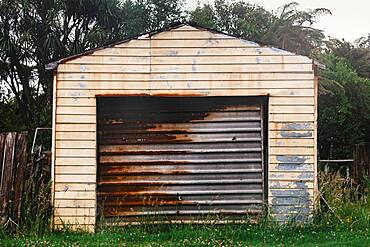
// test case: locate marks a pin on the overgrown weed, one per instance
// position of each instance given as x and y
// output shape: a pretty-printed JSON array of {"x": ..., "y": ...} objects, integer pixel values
[
  {"x": 342, "y": 203},
  {"x": 343, "y": 207}
]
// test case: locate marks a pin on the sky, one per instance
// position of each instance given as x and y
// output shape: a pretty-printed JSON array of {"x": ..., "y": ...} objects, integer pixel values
[{"x": 349, "y": 20}]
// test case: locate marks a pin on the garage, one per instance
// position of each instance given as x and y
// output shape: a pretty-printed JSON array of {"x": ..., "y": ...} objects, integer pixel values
[
  {"x": 180, "y": 158},
  {"x": 183, "y": 124}
]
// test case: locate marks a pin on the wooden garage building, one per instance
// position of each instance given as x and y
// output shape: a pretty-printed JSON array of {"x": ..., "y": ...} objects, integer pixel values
[{"x": 180, "y": 125}]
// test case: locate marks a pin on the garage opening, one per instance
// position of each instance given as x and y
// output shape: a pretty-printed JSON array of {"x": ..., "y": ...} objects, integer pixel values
[{"x": 180, "y": 158}]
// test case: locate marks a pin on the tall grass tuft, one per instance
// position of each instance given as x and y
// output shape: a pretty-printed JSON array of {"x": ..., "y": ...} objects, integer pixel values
[
  {"x": 342, "y": 203},
  {"x": 36, "y": 209}
]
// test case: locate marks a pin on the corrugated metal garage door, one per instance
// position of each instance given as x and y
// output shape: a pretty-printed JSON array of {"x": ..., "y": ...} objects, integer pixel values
[{"x": 179, "y": 157}]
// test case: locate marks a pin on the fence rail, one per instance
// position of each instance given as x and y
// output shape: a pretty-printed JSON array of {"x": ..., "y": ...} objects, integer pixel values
[
  {"x": 357, "y": 168},
  {"x": 337, "y": 161},
  {"x": 13, "y": 160}
]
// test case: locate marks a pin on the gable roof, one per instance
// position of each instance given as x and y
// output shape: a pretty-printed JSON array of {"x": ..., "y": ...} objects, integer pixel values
[{"x": 53, "y": 65}]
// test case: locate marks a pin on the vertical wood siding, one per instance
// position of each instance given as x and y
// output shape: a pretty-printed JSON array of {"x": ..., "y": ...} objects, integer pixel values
[{"x": 186, "y": 61}]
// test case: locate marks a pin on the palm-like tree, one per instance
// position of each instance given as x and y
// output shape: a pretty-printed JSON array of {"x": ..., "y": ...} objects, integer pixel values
[
  {"x": 292, "y": 29},
  {"x": 36, "y": 32}
]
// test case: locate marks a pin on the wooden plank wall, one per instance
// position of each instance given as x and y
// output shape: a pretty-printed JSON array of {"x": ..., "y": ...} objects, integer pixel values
[
  {"x": 13, "y": 159},
  {"x": 186, "y": 61}
]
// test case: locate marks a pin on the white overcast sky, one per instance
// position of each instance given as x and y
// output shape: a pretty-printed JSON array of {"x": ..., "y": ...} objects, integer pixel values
[{"x": 350, "y": 19}]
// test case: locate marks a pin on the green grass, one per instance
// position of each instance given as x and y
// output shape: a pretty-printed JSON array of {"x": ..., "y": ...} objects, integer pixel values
[
  {"x": 343, "y": 219},
  {"x": 199, "y": 235}
]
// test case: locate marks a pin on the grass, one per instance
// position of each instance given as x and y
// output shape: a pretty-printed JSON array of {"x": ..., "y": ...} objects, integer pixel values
[
  {"x": 343, "y": 219},
  {"x": 200, "y": 235},
  {"x": 343, "y": 203}
]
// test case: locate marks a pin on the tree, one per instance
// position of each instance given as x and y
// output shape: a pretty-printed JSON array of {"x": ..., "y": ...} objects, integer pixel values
[
  {"x": 363, "y": 42},
  {"x": 34, "y": 33},
  {"x": 204, "y": 15},
  {"x": 292, "y": 29},
  {"x": 344, "y": 108},
  {"x": 146, "y": 15},
  {"x": 240, "y": 19},
  {"x": 288, "y": 28},
  {"x": 358, "y": 54}
]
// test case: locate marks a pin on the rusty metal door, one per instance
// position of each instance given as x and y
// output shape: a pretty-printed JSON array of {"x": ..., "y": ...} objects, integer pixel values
[{"x": 179, "y": 158}]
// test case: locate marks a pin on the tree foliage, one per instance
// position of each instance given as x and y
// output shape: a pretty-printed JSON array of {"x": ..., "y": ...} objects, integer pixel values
[
  {"x": 358, "y": 54},
  {"x": 145, "y": 15},
  {"x": 344, "y": 108},
  {"x": 34, "y": 33},
  {"x": 288, "y": 28}
]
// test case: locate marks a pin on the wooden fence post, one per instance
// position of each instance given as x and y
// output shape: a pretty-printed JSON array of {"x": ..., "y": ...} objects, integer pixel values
[
  {"x": 361, "y": 162},
  {"x": 19, "y": 179}
]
